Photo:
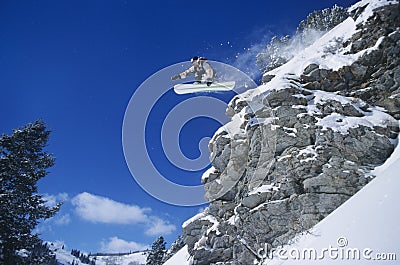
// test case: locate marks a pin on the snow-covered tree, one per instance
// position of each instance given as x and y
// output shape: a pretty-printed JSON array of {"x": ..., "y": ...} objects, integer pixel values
[
  {"x": 273, "y": 55},
  {"x": 281, "y": 49},
  {"x": 22, "y": 163},
  {"x": 157, "y": 252},
  {"x": 38, "y": 255},
  {"x": 175, "y": 247},
  {"x": 323, "y": 20}
]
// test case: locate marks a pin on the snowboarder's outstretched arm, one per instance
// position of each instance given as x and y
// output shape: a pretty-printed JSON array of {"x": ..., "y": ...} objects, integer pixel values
[{"x": 183, "y": 74}]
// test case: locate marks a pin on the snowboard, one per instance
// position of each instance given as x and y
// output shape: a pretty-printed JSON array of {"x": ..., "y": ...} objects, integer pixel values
[{"x": 193, "y": 88}]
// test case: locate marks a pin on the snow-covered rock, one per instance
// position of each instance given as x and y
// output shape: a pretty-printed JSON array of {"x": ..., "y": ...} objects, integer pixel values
[
  {"x": 363, "y": 230},
  {"x": 304, "y": 142}
]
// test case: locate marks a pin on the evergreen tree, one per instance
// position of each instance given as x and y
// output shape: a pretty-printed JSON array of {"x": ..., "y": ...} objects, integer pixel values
[
  {"x": 39, "y": 255},
  {"x": 22, "y": 163},
  {"x": 323, "y": 20},
  {"x": 274, "y": 55},
  {"x": 280, "y": 50},
  {"x": 175, "y": 247},
  {"x": 157, "y": 252}
]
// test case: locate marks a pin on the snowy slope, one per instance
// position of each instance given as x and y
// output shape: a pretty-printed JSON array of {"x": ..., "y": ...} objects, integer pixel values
[
  {"x": 129, "y": 259},
  {"x": 182, "y": 257},
  {"x": 65, "y": 257},
  {"x": 366, "y": 224}
]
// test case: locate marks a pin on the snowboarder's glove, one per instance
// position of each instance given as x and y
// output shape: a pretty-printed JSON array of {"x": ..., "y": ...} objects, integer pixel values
[{"x": 176, "y": 77}]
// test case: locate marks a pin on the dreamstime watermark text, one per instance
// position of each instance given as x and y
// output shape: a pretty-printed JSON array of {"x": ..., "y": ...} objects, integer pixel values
[{"x": 341, "y": 251}]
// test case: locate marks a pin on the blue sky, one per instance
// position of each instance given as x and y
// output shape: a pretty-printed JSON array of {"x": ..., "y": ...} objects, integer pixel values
[{"x": 76, "y": 64}]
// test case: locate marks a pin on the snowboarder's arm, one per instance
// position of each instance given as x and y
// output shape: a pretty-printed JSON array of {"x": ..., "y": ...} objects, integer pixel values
[
  {"x": 188, "y": 71},
  {"x": 183, "y": 74}
]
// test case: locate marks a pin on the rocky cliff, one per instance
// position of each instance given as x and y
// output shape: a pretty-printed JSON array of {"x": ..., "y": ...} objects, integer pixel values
[{"x": 304, "y": 142}]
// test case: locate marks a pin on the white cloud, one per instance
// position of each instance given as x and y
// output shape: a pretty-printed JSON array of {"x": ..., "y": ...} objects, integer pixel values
[
  {"x": 117, "y": 245},
  {"x": 159, "y": 227},
  {"x": 97, "y": 209}
]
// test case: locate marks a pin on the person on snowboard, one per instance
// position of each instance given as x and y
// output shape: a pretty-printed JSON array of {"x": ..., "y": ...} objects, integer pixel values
[{"x": 203, "y": 73}]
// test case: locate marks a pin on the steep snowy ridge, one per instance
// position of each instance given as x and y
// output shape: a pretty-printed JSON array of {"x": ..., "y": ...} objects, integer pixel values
[
  {"x": 302, "y": 144},
  {"x": 182, "y": 257}
]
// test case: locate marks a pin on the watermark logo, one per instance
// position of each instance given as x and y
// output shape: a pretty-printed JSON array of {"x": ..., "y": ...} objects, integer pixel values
[
  {"x": 342, "y": 242},
  {"x": 340, "y": 251},
  {"x": 139, "y": 131}
]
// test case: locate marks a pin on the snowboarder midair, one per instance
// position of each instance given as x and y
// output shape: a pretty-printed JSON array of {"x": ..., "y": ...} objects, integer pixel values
[{"x": 203, "y": 72}]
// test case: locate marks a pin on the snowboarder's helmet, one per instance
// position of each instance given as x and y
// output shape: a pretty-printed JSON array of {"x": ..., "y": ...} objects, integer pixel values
[{"x": 194, "y": 59}]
